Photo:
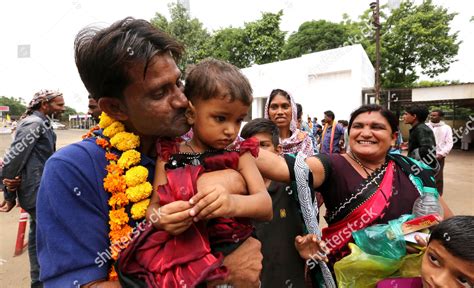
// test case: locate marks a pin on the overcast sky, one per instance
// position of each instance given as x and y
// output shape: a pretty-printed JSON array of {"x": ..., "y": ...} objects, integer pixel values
[{"x": 50, "y": 26}]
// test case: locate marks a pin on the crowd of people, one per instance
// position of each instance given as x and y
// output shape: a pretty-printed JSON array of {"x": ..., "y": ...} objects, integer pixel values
[{"x": 135, "y": 204}]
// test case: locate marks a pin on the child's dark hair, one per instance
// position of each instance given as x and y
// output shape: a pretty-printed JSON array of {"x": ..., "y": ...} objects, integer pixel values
[
  {"x": 213, "y": 78},
  {"x": 456, "y": 234},
  {"x": 261, "y": 125}
]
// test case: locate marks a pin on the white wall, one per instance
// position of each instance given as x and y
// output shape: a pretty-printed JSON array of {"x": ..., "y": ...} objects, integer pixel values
[
  {"x": 462, "y": 91},
  {"x": 326, "y": 80}
]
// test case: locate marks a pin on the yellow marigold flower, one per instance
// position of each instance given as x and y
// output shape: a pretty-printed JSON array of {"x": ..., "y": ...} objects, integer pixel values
[
  {"x": 113, "y": 129},
  {"x": 118, "y": 199},
  {"x": 105, "y": 120},
  {"x": 129, "y": 158},
  {"x": 115, "y": 183},
  {"x": 139, "y": 192},
  {"x": 118, "y": 216},
  {"x": 139, "y": 209},
  {"x": 136, "y": 175},
  {"x": 124, "y": 141}
]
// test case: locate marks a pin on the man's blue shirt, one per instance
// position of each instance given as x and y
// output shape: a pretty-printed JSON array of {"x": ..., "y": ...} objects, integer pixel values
[{"x": 73, "y": 216}]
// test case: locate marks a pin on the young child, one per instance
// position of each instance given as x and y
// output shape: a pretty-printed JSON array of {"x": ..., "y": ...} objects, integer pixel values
[
  {"x": 449, "y": 258},
  {"x": 220, "y": 97},
  {"x": 282, "y": 264}
]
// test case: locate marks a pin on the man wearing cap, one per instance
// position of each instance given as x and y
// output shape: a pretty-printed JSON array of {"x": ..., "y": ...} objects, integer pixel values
[{"x": 34, "y": 143}]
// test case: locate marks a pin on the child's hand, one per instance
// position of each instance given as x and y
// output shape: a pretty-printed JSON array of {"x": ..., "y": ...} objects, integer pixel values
[
  {"x": 212, "y": 203},
  {"x": 310, "y": 248},
  {"x": 173, "y": 217}
]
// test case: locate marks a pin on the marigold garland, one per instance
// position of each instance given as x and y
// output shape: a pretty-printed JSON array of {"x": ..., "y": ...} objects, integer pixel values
[
  {"x": 139, "y": 209},
  {"x": 125, "y": 180},
  {"x": 113, "y": 129},
  {"x": 124, "y": 141},
  {"x": 129, "y": 158},
  {"x": 136, "y": 175}
]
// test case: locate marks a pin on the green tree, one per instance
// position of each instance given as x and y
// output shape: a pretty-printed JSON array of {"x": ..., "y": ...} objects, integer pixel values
[
  {"x": 229, "y": 44},
  {"x": 67, "y": 112},
  {"x": 188, "y": 31},
  {"x": 313, "y": 36},
  {"x": 417, "y": 37},
  {"x": 17, "y": 108},
  {"x": 264, "y": 39}
]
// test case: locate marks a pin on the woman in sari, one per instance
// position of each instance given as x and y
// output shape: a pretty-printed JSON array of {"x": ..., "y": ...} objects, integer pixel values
[
  {"x": 281, "y": 110},
  {"x": 364, "y": 187}
]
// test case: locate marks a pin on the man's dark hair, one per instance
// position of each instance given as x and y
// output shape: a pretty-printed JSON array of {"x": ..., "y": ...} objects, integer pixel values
[
  {"x": 330, "y": 114},
  {"x": 387, "y": 114},
  {"x": 299, "y": 111},
  {"x": 104, "y": 56},
  {"x": 420, "y": 111},
  {"x": 439, "y": 111},
  {"x": 261, "y": 125},
  {"x": 211, "y": 76},
  {"x": 456, "y": 234}
]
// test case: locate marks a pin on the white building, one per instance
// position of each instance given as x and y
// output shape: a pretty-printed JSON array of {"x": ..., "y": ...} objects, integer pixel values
[{"x": 326, "y": 80}]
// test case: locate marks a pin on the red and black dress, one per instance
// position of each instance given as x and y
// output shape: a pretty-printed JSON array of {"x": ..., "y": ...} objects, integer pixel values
[{"x": 158, "y": 259}]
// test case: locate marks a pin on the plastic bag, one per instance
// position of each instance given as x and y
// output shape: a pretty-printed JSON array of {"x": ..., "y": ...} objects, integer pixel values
[
  {"x": 383, "y": 239},
  {"x": 362, "y": 270}
]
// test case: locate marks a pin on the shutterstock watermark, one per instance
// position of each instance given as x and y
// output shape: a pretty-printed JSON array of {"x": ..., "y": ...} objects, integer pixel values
[
  {"x": 32, "y": 135},
  {"x": 105, "y": 256},
  {"x": 344, "y": 233}
]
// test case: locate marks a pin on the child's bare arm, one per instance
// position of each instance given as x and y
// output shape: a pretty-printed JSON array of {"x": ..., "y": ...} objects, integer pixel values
[
  {"x": 216, "y": 201},
  {"x": 258, "y": 204}
]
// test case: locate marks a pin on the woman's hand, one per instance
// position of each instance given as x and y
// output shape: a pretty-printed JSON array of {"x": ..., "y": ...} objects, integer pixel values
[
  {"x": 173, "y": 217},
  {"x": 212, "y": 202},
  {"x": 310, "y": 247}
]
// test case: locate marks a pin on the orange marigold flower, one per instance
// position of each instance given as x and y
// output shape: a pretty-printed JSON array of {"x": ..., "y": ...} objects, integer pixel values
[
  {"x": 118, "y": 216},
  {"x": 122, "y": 235},
  {"x": 112, "y": 274},
  {"x": 111, "y": 156},
  {"x": 114, "y": 183},
  {"x": 102, "y": 142},
  {"x": 118, "y": 199},
  {"x": 114, "y": 169},
  {"x": 114, "y": 226}
]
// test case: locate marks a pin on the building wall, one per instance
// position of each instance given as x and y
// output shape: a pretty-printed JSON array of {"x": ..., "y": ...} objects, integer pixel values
[
  {"x": 451, "y": 92},
  {"x": 326, "y": 80}
]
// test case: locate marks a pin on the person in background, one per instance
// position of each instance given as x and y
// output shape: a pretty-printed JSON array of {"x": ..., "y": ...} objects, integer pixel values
[
  {"x": 94, "y": 109},
  {"x": 305, "y": 127},
  {"x": 332, "y": 133},
  {"x": 421, "y": 144},
  {"x": 369, "y": 178},
  {"x": 282, "y": 264},
  {"x": 444, "y": 143},
  {"x": 282, "y": 110},
  {"x": 344, "y": 143},
  {"x": 34, "y": 143}
]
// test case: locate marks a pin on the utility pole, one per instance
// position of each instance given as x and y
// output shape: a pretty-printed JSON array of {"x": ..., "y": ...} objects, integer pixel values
[{"x": 375, "y": 6}]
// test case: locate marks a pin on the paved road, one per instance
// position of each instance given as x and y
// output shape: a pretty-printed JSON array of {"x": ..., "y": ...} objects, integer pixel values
[{"x": 14, "y": 271}]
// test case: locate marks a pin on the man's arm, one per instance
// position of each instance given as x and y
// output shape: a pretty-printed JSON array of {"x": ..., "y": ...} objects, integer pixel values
[{"x": 244, "y": 264}]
